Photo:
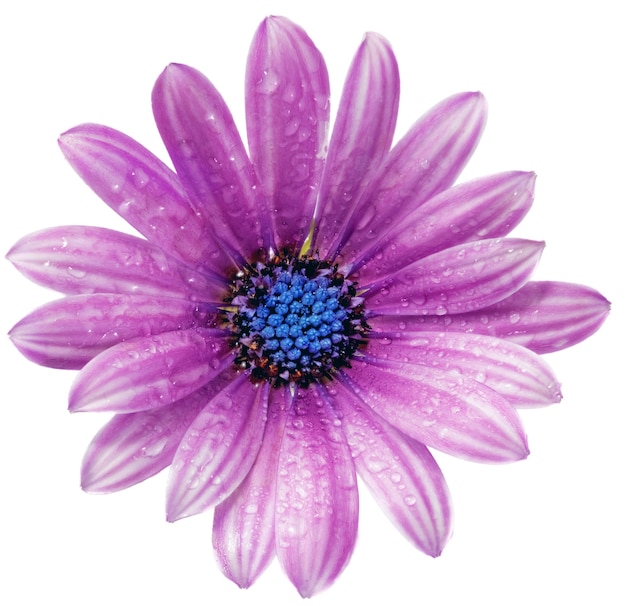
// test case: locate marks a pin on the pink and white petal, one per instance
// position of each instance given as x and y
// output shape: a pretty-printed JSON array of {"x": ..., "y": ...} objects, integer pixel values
[
  {"x": 489, "y": 207},
  {"x": 150, "y": 372},
  {"x": 145, "y": 192},
  {"x": 287, "y": 115},
  {"x": 133, "y": 447},
  {"x": 456, "y": 280},
  {"x": 449, "y": 412},
  {"x": 317, "y": 499},
  {"x": 210, "y": 159},
  {"x": 400, "y": 472},
  {"x": 542, "y": 316},
  {"x": 74, "y": 259},
  {"x": 361, "y": 137},
  {"x": 68, "y": 333},
  {"x": 515, "y": 372},
  {"x": 218, "y": 450},
  {"x": 426, "y": 161},
  {"x": 243, "y": 524}
]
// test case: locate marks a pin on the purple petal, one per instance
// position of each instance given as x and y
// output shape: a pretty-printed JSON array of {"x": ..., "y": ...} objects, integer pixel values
[
  {"x": 426, "y": 161},
  {"x": 542, "y": 316},
  {"x": 150, "y": 372},
  {"x": 81, "y": 260},
  {"x": 400, "y": 472},
  {"x": 456, "y": 280},
  {"x": 287, "y": 115},
  {"x": 218, "y": 449},
  {"x": 446, "y": 411},
  {"x": 145, "y": 192},
  {"x": 317, "y": 499},
  {"x": 361, "y": 137},
  {"x": 516, "y": 373},
  {"x": 243, "y": 524},
  {"x": 489, "y": 207},
  {"x": 69, "y": 332},
  {"x": 208, "y": 154},
  {"x": 133, "y": 447}
]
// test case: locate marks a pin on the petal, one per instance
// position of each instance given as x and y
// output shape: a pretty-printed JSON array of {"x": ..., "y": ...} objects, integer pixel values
[
  {"x": 400, "y": 472},
  {"x": 287, "y": 115},
  {"x": 489, "y": 207},
  {"x": 243, "y": 524},
  {"x": 133, "y": 447},
  {"x": 145, "y": 192},
  {"x": 317, "y": 500},
  {"x": 450, "y": 412},
  {"x": 516, "y": 373},
  {"x": 69, "y": 332},
  {"x": 208, "y": 154},
  {"x": 426, "y": 161},
  {"x": 456, "y": 280},
  {"x": 543, "y": 316},
  {"x": 218, "y": 449},
  {"x": 361, "y": 137},
  {"x": 150, "y": 372},
  {"x": 80, "y": 260}
]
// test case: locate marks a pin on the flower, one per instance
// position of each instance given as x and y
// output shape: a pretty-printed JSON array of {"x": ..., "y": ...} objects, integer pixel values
[{"x": 294, "y": 317}]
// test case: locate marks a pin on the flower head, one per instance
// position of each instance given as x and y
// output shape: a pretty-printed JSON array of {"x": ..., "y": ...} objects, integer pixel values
[{"x": 298, "y": 313}]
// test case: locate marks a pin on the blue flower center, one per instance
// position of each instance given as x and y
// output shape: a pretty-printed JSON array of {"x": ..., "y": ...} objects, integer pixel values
[{"x": 294, "y": 320}]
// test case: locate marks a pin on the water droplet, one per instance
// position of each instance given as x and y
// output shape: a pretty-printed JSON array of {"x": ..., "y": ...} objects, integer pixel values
[
  {"x": 251, "y": 508},
  {"x": 269, "y": 82},
  {"x": 187, "y": 149},
  {"x": 154, "y": 450},
  {"x": 376, "y": 465},
  {"x": 410, "y": 500},
  {"x": 139, "y": 178},
  {"x": 514, "y": 317},
  {"x": 76, "y": 273}
]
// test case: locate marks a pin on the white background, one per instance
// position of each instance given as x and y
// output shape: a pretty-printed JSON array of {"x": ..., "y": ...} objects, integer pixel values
[{"x": 545, "y": 531}]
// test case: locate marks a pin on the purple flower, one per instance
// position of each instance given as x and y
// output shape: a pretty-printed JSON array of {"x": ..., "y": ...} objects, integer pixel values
[{"x": 300, "y": 314}]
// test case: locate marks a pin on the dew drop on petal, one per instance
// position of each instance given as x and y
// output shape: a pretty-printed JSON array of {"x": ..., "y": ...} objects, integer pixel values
[
  {"x": 140, "y": 178},
  {"x": 375, "y": 465},
  {"x": 187, "y": 149},
  {"x": 251, "y": 508},
  {"x": 268, "y": 83},
  {"x": 154, "y": 450},
  {"x": 514, "y": 317},
  {"x": 76, "y": 273}
]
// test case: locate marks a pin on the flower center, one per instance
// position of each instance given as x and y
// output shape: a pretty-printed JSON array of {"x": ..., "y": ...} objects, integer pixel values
[{"x": 294, "y": 320}]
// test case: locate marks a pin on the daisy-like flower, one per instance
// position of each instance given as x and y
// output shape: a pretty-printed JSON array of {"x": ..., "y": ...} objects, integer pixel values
[{"x": 302, "y": 313}]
